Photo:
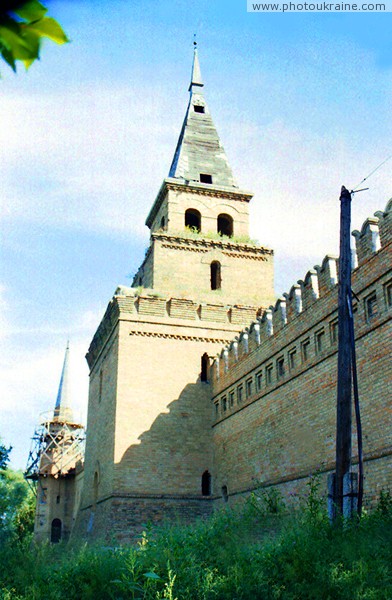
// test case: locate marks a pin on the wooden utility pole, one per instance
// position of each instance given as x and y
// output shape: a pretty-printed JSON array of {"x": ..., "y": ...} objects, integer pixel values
[{"x": 343, "y": 421}]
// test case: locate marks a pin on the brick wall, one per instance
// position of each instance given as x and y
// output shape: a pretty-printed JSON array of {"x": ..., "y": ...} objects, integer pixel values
[{"x": 281, "y": 426}]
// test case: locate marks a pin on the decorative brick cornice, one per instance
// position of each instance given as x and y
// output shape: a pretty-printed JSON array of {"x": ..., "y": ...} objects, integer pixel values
[
  {"x": 201, "y": 244},
  {"x": 261, "y": 257},
  {"x": 189, "y": 248},
  {"x": 173, "y": 336}
]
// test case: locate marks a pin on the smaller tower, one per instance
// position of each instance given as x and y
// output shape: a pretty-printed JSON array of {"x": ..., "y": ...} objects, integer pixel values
[{"x": 55, "y": 466}]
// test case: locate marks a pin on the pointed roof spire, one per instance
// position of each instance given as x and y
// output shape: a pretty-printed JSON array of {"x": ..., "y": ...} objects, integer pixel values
[
  {"x": 196, "y": 73},
  {"x": 62, "y": 410},
  {"x": 199, "y": 156}
]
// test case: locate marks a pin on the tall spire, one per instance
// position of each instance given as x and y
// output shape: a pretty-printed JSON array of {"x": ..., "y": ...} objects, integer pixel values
[
  {"x": 199, "y": 156},
  {"x": 196, "y": 79},
  {"x": 62, "y": 410}
]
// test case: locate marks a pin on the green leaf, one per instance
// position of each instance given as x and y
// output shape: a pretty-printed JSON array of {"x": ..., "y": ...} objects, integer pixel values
[
  {"x": 9, "y": 58},
  {"x": 32, "y": 10},
  {"x": 17, "y": 44},
  {"x": 48, "y": 27},
  {"x": 151, "y": 575}
]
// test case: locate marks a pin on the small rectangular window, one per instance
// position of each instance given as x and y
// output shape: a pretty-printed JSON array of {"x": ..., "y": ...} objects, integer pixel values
[
  {"x": 333, "y": 331},
  {"x": 224, "y": 404},
  {"x": 216, "y": 410},
  {"x": 371, "y": 307},
  {"x": 305, "y": 350},
  {"x": 259, "y": 380},
  {"x": 292, "y": 358},
  {"x": 231, "y": 399},
  {"x": 319, "y": 340},
  {"x": 268, "y": 374},
  {"x": 205, "y": 178},
  {"x": 198, "y": 109},
  {"x": 388, "y": 294},
  {"x": 249, "y": 387},
  {"x": 280, "y": 367},
  {"x": 239, "y": 394}
]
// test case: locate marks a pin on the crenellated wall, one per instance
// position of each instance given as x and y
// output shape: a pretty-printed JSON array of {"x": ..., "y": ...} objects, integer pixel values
[{"x": 274, "y": 385}]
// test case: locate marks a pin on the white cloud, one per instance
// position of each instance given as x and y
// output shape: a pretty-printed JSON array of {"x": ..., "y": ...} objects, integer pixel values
[
  {"x": 83, "y": 159},
  {"x": 30, "y": 375}
]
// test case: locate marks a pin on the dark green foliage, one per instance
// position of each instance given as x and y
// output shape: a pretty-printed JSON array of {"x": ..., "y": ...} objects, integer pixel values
[
  {"x": 4, "y": 456},
  {"x": 23, "y": 25},
  {"x": 242, "y": 554},
  {"x": 17, "y": 506}
]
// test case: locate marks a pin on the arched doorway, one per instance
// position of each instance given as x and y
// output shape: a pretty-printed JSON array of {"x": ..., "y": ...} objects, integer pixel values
[
  {"x": 206, "y": 484},
  {"x": 56, "y": 531}
]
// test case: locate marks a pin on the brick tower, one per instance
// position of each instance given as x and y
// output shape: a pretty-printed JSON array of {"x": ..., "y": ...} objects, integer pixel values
[
  {"x": 149, "y": 438},
  {"x": 55, "y": 466}
]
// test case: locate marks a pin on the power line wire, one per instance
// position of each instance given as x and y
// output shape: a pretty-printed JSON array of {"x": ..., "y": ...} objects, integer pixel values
[{"x": 370, "y": 174}]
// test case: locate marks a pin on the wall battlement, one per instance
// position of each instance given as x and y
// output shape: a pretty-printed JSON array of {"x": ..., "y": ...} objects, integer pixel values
[{"x": 375, "y": 235}]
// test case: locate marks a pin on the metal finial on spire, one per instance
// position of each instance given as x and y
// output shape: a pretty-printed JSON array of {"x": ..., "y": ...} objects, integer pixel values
[{"x": 196, "y": 79}]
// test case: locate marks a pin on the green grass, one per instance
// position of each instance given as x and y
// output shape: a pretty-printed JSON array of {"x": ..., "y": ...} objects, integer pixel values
[
  {"x": 257, "y": 551},
  {"x": 192, "y": 233}
]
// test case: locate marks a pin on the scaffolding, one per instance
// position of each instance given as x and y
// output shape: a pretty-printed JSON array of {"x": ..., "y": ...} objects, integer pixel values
[{"x": 56, "y": 448}]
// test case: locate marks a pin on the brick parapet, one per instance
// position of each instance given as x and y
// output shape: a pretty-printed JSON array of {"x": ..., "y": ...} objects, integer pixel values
[
  {"x": 195, "y": 319},
  {"x": 308, "y": 304}
]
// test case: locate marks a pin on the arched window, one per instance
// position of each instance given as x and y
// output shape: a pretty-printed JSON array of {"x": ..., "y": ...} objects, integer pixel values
[
  {"x": 225, "y": 225},
  {"x": 206, "y": 484},
  {"x": 193, "y": 219},
  {"x": 204, "y": 367},
  {"x": 55, "y": 531},
  {"x": 163, "y": 223},
  {"x": 216, "y": 277}
]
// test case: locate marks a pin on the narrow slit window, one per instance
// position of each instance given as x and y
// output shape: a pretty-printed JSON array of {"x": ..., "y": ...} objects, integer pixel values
[
  {"x": 205, "y": 178},
  {"x": 292, "y": 358},
  {"x": 280, "y": 367},
  {"x": 204, "y": 368},
  {"x": 216, "y": 277},
  {"x": 320, "y": 341},
  {"x": 305, "y": 350},
  {"x": 206, "y": 484},
  {"x": 225, "y": 493},
  {"x": 259, "y": 380},
  {"x": 371, "y": 307},
  {"x": 239, "y": 394}
]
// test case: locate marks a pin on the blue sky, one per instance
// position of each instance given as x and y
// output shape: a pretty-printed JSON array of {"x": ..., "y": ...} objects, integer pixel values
[{"x": 302, "y": 103}]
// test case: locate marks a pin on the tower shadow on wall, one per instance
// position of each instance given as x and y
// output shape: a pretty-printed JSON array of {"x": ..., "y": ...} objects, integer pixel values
[{"x": 167, "y": 476}]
